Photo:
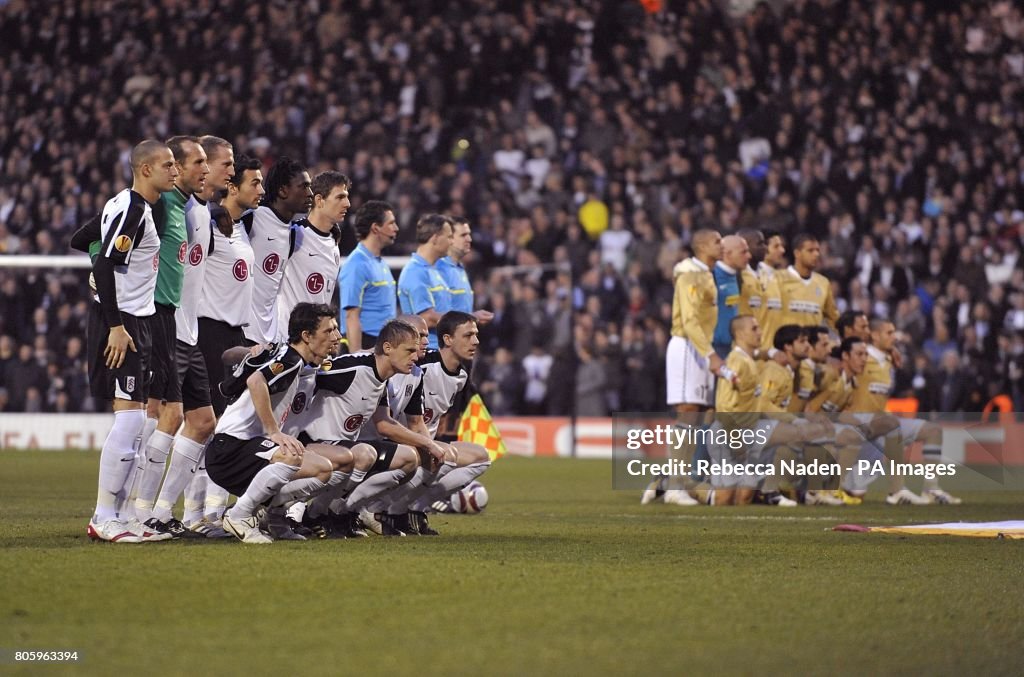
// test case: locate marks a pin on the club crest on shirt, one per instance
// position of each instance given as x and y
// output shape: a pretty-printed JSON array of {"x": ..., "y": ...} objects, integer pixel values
[
  {"x": 122, "y": 243},
  {"x": 276, "y": 368}
]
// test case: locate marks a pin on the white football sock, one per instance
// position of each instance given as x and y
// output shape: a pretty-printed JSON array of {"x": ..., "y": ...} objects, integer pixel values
[
  {"x": 117, "y": 461},
  {"x": 185, "y": 459},
  {"x": 374, "y": 486},
  {"x": 140, "y": 466},
  {"x": 298, "y": 490},
  {"x": 336, "y": 488},
  {"x": 155, "y": 461},
  {"x": 931, "y": 455},
  {"x": 216, "y": 500},
  {"x": 396, "y": 501},
  {"x": 452, "y": 482},
  {"x": 264, "y": 486},
  {"x": 195, "y": 495}
]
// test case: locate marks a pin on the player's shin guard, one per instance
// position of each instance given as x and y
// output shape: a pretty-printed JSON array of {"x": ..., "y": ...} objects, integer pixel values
[
  {"x": 298, "y": 490},
  {"x": 153, "y": 466},
  {"x": 117, "y": 462},
  {"x": 140, "y": 466},
  {"x": 264, "y": 486},
  {"x": 185, "y": 458},
  {"x": 450, "y": 483},
  {"x": 216, "y": 499},
  {"x": 336, "y": 488},
  {"x": 931, "y": 456},
  {"x": 195, "y": 495}
]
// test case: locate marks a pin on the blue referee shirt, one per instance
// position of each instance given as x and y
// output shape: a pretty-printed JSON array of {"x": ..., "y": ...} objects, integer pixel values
[
  {"x": 421, "y": 287},
  {"x": 366, "y": 282},
  {"x": 458, "y": 284},
  {"x": 727, "y": 282}
]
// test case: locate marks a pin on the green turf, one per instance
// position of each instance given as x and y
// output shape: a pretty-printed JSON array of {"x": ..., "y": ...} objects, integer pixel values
[{"x": 561, "y": 575}]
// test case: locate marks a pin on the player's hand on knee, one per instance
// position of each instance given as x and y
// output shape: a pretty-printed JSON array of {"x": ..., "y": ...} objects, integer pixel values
[{"x": 290, "y": 447}]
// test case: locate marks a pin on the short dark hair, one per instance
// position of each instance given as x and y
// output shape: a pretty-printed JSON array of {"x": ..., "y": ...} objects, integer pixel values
[
  {"x": 801, "y": 239},
  {"x": 177, "y": 146},
  {"x": 430, "y": 225},
  {"x": 876, "y": 323},
  {"x": 787, "y": 335},
  {"x": 325, "y": 182},
  {"x": 369, "y": 213},
  {"x": 243, "y": 164},
  {"x": 451, "y": 321},
  {"x": 279, "y": 176},
  {"x": 846, "y": 321},
  {"x": 815, "y": 333},
  {"x": 306, "y": 317},
  {"x": 848, "y": 343},
  {"x": 395, "y": 332},
  {"x": 144, "y": 151}
]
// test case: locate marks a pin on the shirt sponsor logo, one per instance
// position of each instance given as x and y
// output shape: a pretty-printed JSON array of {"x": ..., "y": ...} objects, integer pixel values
[
  {"x": 299, "y": 403},
  {"x": 195, "y": 256},
  {"x": 122, "y": 243},
  {"x": 428, "y": 414},
  {"x": 271, "y": 263},
  {"x": 240, "y": 270},
  {"x": 156, "y": 261},
  {"x": 353, "y": 423},
  {"x": 315, "y": 283},
  {"x": 181, "y": 252}
]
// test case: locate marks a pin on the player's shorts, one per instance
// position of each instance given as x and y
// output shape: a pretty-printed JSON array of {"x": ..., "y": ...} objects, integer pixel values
[
  {"x": 233, "y": 463},
  {"x": 688, "y": 376},
  {"x": 192, "y": 380},
  {"x": 130, "y": 381},
  {"x": 385, "y": 449},
  {"x": 214, "y": 338},
  {"x": 165, "y": 384},
  {"x": 760, "y": 451}
]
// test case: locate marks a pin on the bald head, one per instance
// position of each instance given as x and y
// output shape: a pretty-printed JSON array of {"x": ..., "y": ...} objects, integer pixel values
[
  {"x": 145, "y": 153},
  {"x": 735, "y": 252},
  {"x": 707, "y": 245}
]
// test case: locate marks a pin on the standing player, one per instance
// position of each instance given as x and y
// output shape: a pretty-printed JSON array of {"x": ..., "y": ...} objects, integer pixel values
[
  {"x": 421, "y": 289},
  {"x": 288, "y": 192},
  {"x": 164, "y": 408},
  {"x": 312, "y": 270},
  {"x": 367, "y": 287},
  {"x": 691, "y": 362},
  {"x": 194, "y": 384},
  {"x": 735, "y": 257},
  {"x": 226, "y": 300},
  {"x": 125, "y": 272},
  {"x": 806, "y": 295},
  {"x": 250, "y": 456}
]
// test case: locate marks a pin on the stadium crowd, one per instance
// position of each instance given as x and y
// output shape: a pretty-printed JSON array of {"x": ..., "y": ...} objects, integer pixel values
[{"x": 585, "y": 141}]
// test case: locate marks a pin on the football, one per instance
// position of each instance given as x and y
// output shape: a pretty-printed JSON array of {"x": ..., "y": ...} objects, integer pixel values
[{"x": 470, "y": 499}]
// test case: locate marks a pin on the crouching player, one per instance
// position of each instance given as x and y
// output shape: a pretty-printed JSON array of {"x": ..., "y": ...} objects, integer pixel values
[
  {"x": 250, "y": 455},
  {"x": 351, "y": 391}
]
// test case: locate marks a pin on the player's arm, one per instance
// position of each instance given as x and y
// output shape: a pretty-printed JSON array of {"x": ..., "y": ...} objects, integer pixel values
[
  {"x": 773, "y": 391},
  {"x": 260, "y": 392},
  {"x": 828, "y": 309},
  {"x": 688, "y": 295},
  {"x": 353, "y": 330},
  {"x": 90, "y": 232},
  {"x": 396, "y": 432},
  {"x": 352, "y": 284}
]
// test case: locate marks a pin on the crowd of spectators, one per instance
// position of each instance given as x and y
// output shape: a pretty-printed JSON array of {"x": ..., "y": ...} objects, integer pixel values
[{"x": 585, "y": 140}]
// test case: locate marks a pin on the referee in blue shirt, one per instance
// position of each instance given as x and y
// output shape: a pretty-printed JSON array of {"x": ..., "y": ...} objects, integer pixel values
[
  {"x": 421, "y": 288},
  {"x": 365, "y": 283},
  {"x": 454, "y": 273}
]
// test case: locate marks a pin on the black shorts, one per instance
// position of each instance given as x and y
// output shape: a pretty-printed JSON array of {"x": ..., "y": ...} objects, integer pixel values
[
  {"x": 385, "y": 449},
  {"x": 130, "y": 381},
  {"x": 214, "y": 338},
  {"x": 192, "y": 380},
  {"x": 165, "y": 384},
  {"x": 232, "y": 463}
]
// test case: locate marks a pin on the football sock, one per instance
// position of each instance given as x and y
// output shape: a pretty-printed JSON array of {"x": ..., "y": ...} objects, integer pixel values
[
  {"x": 140, "y": 465},
  {"x": 373, "y": 486},
  {"x": 297, "y": 490},
  {"x": 117, "y": 461},
  {"x": 454, "y": 481},
  {"x": 184, "y": 460},
  {"x": 216, "y": 498},
  {"x": 195, "y": 495},
  {"x": 264, "y": 486},
  {"x": 932, "y": 455},
  {"x": 396, "y": 501},
  {"x": 354, "y": 479},
  {"x": 336, "y": 487},
  {"x": 153, "y": 465}
]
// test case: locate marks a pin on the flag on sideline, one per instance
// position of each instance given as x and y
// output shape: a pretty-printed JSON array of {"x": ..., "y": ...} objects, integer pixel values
[{"x": 478, "y": 427}]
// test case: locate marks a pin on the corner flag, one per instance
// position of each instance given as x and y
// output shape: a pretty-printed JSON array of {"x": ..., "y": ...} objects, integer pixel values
[{"x": 477, "y": 426}]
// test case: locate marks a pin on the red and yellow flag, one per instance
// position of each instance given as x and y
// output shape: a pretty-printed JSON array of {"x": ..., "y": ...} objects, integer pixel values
[{"x": 477, "y": 426}]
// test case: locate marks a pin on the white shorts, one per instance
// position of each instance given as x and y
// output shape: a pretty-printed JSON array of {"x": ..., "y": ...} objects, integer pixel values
[
  {"x": 910, "y": 428},
  {"x": 688, "y": 376},
  {"x": 755, "y": 453}
]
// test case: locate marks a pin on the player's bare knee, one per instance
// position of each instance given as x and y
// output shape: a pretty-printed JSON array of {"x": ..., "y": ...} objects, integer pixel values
[
  {"x": 406, "y": 459},
  {"x": 364, "y": 456},
  {"x": 469, "y": 453}
]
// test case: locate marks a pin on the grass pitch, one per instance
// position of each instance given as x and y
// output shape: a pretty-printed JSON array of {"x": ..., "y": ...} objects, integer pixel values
[{"x": 561, "y": 575}]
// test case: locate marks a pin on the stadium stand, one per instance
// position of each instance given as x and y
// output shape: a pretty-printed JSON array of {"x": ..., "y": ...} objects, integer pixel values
[{"x": 583, "y": 133}]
